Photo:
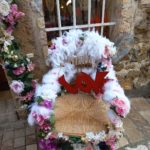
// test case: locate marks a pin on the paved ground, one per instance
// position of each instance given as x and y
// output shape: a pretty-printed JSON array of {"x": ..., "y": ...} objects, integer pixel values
[
  {"x": 17, "y": 135},
  {"x": 137, "y": 126},
  {"x": 14, "y": 134}
]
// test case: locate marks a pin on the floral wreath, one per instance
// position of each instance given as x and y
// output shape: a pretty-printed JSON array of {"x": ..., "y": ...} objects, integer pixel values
[
  {"x": 18, "y": 67},
  {"x": 77, "y": 43}
]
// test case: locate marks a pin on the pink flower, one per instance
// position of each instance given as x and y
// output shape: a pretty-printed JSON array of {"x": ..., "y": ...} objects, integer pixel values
[
  {"x": 39, "y": 119},
  {"x": 47, "y": 104},
  {"x": 10, "y": 19},
  {"x": 17, "y": 86},
  {"x": 119, "y": 103},
  {"x": 46, "y": 127},
  {"x": 13, "y": 17},
  {"x": 106, "y": 52},
  {"x": 30, "y": 67},
  {"x": 27, "y": 97},
  {"x": 19, "y": 70},
  {"x": 53, "y": 46},
  {"x": 120, "y": 107},
  {"x": 111, "y": 142},
  {"x": 120, "y": 111},
  {"x": 16, "y": 14}
]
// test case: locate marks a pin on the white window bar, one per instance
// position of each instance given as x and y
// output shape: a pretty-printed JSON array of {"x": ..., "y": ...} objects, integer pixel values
[
  {"x": 89, "y": 13},
  {"x": 74, "y": 13},
  {"x": 103, "y": 16},
  {"x": 80, "y": 26},
  {"x": 59, "y": 16}
]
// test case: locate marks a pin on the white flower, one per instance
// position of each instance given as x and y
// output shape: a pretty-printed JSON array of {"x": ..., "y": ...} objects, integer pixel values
[
  {"x": 4, "y": 8},
  {"x": 100, "y": 136},
  {"x": 96, "y": 137},
  {"x": 60, "y": 135},
  {"x": 17, "y": 86},
  {"x": 90, "y": 135}
]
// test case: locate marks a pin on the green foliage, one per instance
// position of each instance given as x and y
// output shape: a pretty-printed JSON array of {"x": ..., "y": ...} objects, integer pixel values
[
  {"x": 39, "y": 99},
  {"x": 52, "y": 121},
  {"x": 75, "y": 139},
  {"x": 41, "y": 134},
  {"x": 64, "y": 145},
  {"x": 14, "y": 1}
]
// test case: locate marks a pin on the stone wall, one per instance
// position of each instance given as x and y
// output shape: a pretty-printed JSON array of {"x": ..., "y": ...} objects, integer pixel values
[{"x": 133, "y": 70}]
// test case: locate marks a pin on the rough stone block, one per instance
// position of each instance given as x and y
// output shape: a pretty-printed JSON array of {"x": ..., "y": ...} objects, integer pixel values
[
  {"x": 146, "y": 115},
  {"x": 122, "y": 142},
  {"x": 139, "y": 147},
  {"x": 20, "y": 148},
  {"x": 7, "y": 148},
  {"x": 8, "y": 143},
  {"x": 19, "y": 142},
  {"x": 30, "y": 130},
  {"x": 31, "y": 139},
  {"x": 31, "y": 147},
  {"x": 19, "y": 133},
  {"x": 8, "y": 135},
  {"x": 140, "y": 104},
  {"x": 132, "y": 132},
  {"x": 144, "y": 2}
]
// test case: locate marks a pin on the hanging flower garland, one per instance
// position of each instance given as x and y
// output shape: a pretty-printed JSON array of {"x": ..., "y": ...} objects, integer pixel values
[
  {"x": 18, "y": 67},
  {"x": 100, "y": 50}
]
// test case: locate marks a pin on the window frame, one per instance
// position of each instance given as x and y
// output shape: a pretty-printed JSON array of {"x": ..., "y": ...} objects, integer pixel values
[{"x": 89, "y": 25}]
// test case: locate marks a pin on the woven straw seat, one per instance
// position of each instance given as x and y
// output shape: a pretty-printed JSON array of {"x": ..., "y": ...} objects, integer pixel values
[{"x": 76, "y": 114}]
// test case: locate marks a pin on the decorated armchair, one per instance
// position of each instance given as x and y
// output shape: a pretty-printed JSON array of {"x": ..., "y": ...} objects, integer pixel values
[{"x": 79, "y": 99}]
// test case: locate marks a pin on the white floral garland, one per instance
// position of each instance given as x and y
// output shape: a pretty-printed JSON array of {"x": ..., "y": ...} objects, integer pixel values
[{"x": 99, "y": 49}]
